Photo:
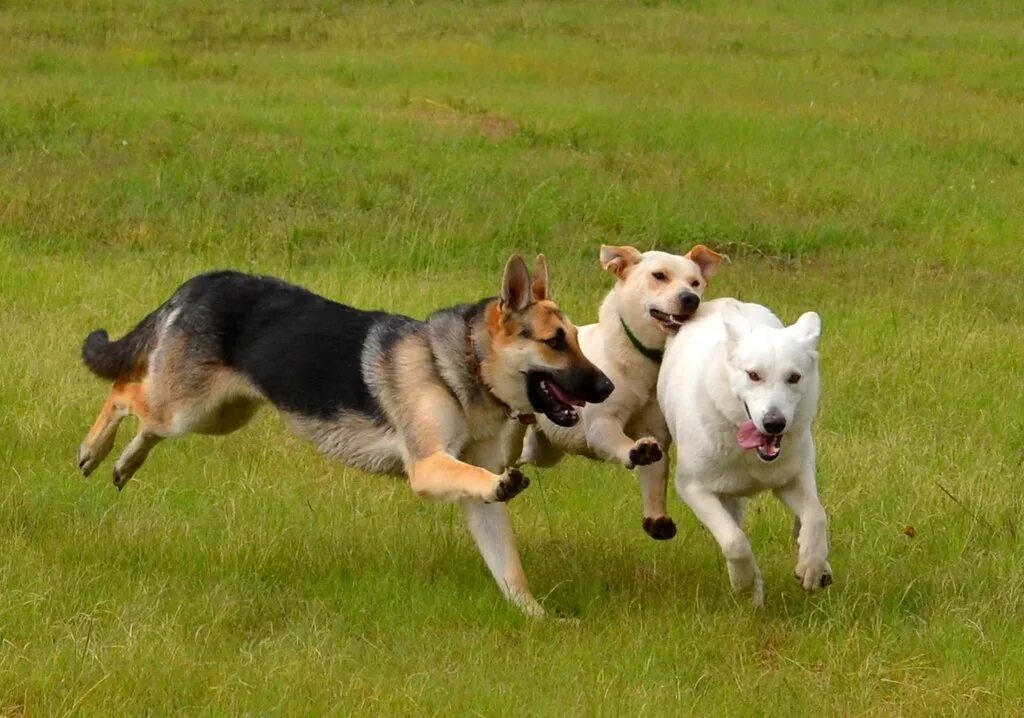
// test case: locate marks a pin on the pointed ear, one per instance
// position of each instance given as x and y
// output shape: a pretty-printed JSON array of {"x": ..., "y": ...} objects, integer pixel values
[
  {"x": 707, "y": 259},
  {"x": 736, "y": 327},
  {"x": 618, "y": 260},
  {"x": 515, "y": 285},
  {"x": 807, "y": 329},
  {"x": 539, "y": 285}
]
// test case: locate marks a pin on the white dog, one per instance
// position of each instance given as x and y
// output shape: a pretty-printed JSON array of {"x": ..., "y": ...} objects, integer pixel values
[
  {"x": 655, "y": 293},
  {"x": 739, "y": 392}
]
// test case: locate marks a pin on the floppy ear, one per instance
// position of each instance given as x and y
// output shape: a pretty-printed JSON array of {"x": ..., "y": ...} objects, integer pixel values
[
  {"x": 618, "y": 260},
  {"x": 539, "y": 285},
  {"x": 515, "y": 285},
  {"x": 707, "y": 259},
  {"x": 807, "y": 329}
]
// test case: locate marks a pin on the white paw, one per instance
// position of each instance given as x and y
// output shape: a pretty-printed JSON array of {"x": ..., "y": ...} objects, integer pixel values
[
  {"x": 745, "y": 577},
  {"x": 813, "y": 574}
]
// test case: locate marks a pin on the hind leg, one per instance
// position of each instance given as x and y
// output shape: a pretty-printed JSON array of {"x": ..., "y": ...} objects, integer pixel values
[
  {"x": 100, "y": 439},
  {"x": 133, "y": 456}
]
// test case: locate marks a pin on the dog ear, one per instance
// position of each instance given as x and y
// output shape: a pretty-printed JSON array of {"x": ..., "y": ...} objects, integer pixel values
[
  {"x": 539, "y": 285},
  {"x": 618, "y": 260},
  {"x": 807, "y": 330},
  {"x": 736, "y": 327},
  {"x": 705, "y": 258},
  {"x": 515, "y": 285}
]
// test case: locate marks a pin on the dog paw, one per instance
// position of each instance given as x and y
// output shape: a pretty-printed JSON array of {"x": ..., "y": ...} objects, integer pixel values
[
  {"x": 645, "y": 451},
  {"x": 813, "y": 576},
  {"x": 511, "y": 484},
  {"x": 120, "y": 477},
  {"x": 661, "y": 528},
  {"x": 745, "y": 577},
  {"x": 89, "y": 458},
  {"x": 86, "y": 460}
]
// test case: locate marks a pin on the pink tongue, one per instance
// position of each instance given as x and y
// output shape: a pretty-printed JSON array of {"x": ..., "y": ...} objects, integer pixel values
[
  {"x": 563, "y": 397},
  {"x": 748, "y": 436}
]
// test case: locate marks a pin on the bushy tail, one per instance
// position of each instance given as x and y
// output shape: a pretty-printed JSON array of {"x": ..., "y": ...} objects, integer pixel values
[{"x": 115, "y": 359}]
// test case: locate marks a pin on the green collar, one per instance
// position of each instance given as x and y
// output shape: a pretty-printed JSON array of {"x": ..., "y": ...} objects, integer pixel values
[{"x": 655, "y": 355}]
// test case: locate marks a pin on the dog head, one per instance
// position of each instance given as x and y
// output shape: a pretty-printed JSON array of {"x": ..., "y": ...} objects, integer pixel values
[
  {"x": 535, "y": 363},
  {"x": 774, "y": 372},
  {"x": 656, "y": 291}
]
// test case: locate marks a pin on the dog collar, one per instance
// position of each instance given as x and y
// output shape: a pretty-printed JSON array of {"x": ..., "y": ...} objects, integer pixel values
[
  {"x": 474, "y": 360},
  {"x": 655, "y": 355}
]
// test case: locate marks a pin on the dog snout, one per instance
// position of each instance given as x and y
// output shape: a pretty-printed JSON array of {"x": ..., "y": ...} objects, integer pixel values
[
  {"x": 689, "y": 302},
  {"x": 602, "y": 388},
  {"x": 773, "y": 422}
]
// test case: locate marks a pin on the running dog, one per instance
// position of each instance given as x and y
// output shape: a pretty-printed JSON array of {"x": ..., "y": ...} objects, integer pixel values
[
  {"x": 739, "y": 392},
  {"x": 655, "y": 293},
  {"x": 436, "y": 399}
]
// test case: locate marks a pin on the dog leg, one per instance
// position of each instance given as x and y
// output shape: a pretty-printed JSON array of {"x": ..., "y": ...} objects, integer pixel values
[
  {"x": 736, "y": 507},
  {"x": 442, "y": 477},
  {"x": 744, "y": 574},
  {"x": 491, "y": 527},
  {"x": 492, "y": 531},
  {"x": 811, "y": 524},
  {"x": 539, "y": 451},
  {"x": 606, "y": 437},
  {"x": 133, "y": 456},
  {"x": 100, "y": 439},
  {"x": 653, "y": 478}
]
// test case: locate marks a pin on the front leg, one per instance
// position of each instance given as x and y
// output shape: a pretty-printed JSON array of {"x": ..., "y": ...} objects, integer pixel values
[
  {"x": 811, "y": 528},
  {"x": 434, "y": 432},
  {"x": 491, "y": 528},
  {"x": 653, "y": 478},
  {"x": 744, "y": 574},
  {"x": 442, "y": 477},
  {"x": 606, "y": 437},
  {"x": 492, "y": 531}
]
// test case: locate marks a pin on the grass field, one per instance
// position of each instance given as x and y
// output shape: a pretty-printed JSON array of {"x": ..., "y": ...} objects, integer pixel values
[{"x": 861, "y": 159}]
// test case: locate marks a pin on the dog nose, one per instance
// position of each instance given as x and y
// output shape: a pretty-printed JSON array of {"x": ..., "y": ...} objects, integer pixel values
[
  {"x": 603, "y": 388},
  {"x": 774, "y": 423},
  {"x": 689, "y": 302}
]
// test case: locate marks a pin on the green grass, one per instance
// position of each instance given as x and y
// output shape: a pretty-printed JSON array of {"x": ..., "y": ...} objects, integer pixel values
[{"x": 861, "y": 159}]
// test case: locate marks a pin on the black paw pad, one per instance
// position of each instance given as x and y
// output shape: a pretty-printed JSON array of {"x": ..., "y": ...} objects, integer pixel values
[
  {"x": 510, "y": 485},
  {"x": 644, "y": 453},
  {"x": 826, "y": 580},
  {"x": 661, "y": 528}
]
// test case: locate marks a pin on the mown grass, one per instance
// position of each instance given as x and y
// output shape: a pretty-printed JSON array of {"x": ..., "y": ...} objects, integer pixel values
[{"x": 856, "y": 158}]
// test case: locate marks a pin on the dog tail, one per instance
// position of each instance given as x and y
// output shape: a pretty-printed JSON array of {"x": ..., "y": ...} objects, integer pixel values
[{"x": 116, "y": 359}]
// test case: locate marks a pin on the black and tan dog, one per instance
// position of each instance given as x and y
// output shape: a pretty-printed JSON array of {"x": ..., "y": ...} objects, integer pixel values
[{"x": 437, "y": 399}]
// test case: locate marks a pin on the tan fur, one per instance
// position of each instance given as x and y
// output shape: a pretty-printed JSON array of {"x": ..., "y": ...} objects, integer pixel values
[{"x": 453, "y": 438}]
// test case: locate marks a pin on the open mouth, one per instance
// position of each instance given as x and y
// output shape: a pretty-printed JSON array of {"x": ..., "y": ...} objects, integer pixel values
[
  {"x": 670, "y": 322},
  {"x": 768, "y": 446},
  {"x": 547, "y": 397}
]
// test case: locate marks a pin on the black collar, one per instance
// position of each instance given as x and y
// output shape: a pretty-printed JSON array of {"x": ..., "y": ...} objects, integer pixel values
[{"x": 655, "y": 355}]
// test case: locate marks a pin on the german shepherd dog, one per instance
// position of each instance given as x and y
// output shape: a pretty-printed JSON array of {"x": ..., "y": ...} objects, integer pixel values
[{"x": 437, "y": 400}]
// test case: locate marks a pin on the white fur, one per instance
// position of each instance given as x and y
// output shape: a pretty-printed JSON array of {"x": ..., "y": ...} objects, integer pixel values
[
  {"x": 629, "y": 421},
  {"x": 702, "y": 389}
]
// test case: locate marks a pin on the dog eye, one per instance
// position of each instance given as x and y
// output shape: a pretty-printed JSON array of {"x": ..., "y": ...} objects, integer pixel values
[
  {"x": 660, "y": 276},
  {"x": 557, "y": 342},
  {"x": 695, "y": 283},
  {"x": 753, "y": 376},
  {"x": 793, "y": 378}
]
